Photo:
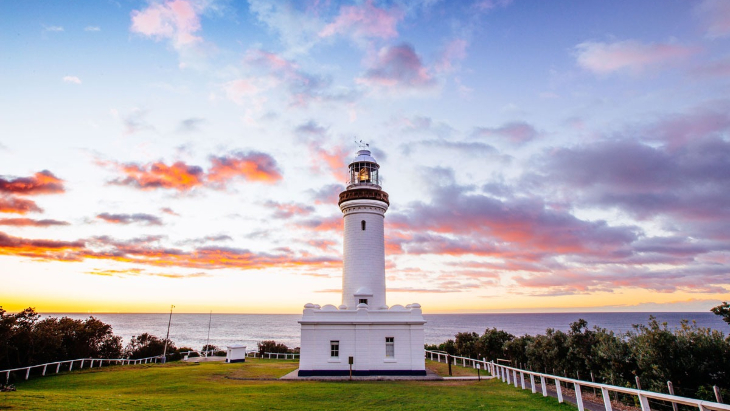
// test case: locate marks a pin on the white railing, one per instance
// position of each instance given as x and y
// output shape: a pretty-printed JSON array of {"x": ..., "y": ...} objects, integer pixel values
[
  {"x": 201, "y": 353},
  {"x": 286, "y": 355},
  {"x": 510, "y": 376},
  {"x": 58, "y": 364}
]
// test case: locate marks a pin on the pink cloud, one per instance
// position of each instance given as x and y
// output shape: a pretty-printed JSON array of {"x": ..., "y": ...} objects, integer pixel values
[
  {"x": 516, "y": 132},
  {"x": 238, "y": 90},
  {"x": 716, "y": 17},
  {"x": 454, "y": 52},
  {"x": 176, "y": 20},
  {"x": 364, "y": 21},
  {"x": 629, "y": 55},
  {"x": 398, "y": 67}
]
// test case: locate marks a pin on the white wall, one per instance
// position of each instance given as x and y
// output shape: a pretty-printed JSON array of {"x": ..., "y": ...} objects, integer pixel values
[{"x": 364, "y": 252}]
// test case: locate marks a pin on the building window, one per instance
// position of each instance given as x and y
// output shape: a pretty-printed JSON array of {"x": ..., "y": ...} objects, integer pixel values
[
  {"x": 390, "y": 347},
  {"x": 334, "y": 349},
  {"x": 363, "y": 225},
  {"x": 363, "y": 301}
]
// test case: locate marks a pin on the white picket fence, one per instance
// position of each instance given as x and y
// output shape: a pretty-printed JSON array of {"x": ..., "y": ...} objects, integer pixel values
[
  {"x": 58, "y": 364},
  {"x": 516, "y": 376}
]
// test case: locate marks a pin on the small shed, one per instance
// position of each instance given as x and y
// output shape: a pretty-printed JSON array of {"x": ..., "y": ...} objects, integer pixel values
[{"x": 236, "y": 353}]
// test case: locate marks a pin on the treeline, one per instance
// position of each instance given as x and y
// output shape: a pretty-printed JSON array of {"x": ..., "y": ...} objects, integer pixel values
[
  {"x": 26, "y": 339},
  {"x": 693, "y": 358}
]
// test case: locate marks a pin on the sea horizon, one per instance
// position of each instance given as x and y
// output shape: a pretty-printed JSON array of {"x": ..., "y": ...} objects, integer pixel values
[{"x": 190, "y": 329}]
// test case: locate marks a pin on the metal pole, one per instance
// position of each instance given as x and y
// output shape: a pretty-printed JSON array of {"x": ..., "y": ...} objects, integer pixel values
[
  {"x": 207, "y": 346},
  {"x": 718, "y": 395},
  {"x": 164, "y": 352}
]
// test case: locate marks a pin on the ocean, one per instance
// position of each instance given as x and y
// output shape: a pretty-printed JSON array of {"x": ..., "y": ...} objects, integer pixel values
[{"x": 191, "y": 330}]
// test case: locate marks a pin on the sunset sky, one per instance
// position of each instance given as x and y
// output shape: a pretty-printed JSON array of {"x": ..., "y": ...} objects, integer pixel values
[{"x": 539, "y": 155}]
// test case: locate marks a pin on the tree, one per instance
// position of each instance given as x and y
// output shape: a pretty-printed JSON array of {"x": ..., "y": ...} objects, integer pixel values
[
  {"x": 271, "y": 346},
  {"x": 723, "y": 310}
]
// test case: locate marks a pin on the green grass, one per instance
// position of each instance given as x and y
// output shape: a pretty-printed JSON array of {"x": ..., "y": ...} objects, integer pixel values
[
  {"x": 456, "y": 370},
  {"x": 252, "y": 386}
]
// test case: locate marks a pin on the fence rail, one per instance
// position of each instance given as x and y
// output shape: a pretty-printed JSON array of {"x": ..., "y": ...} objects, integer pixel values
[
  {"x": 58, "y": 364},
  {"x": 510, "y": 376}
]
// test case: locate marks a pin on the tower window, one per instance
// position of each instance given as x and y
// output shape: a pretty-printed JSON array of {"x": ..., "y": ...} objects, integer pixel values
[
  {"x": 363, "y": 301},
  {"x": 362, "y": 223},
  {"x": 334, "y": 349},
  {"x": 390, "y": 347}
]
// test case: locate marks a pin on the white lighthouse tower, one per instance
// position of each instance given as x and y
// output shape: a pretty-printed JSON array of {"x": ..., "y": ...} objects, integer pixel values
[{"x": 363, "y": 332}]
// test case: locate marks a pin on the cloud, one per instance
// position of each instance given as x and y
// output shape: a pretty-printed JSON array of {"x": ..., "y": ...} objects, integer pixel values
[
  {"x": 364, "y": 21},
  {"x": 92, "y": 28},
  {"x": 302, "y": 87},
  {"x": 178, "y": 176},
  {"x": 175, "y": 20},
  {"x": 486, "y": 5},
  {"x": 289, "y": 210},
  {"x": 717, "y": 68},
  {"x": 715, "y": 15},
  {"x": 629, "y": 55},
  {"x": 56, "y": 29},
  {"x": 398, "y": 67},
  {"x": 72, "y": 79},
  {"x": 170, "y": 211},
  {"x": 43, "y": 182},
  {"x": 327, "y": 224},
  {"x": 328, "y": 194},
  {"x": 148, "y": 251},
  {"x": 297, "y": 27},
  {"x": 139, "y": 272},
  {"x": 517, "y": 132},
  {"x": 146, "y": 219},
  {"x": 190, "y": 125},
  {"x": 136, "y": 121},
  {"x": 467, "y": 148},
  {"x": 28, "y": 222},
  {"x": 15, "y": 205},
  {"x": 311, "y": 128},
  {"x": 239, "y": 90},
  {"x": 451, "y": 55},
  {"x": 523, "y": 227},
  {"x": 699, "y": 279},
  {"x": 251, "y": 166}
]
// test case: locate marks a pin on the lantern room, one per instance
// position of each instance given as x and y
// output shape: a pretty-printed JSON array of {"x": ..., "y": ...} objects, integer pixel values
[{"x": 364, "y": 172}]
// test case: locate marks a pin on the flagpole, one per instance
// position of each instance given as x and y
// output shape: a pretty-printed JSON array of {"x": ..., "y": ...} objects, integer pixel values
[
  {"x": 164, "y": 353},
  {"x": 207, "y": 345}
]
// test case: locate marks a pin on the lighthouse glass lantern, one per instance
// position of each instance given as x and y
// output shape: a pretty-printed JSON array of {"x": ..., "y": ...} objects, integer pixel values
[{"x": 364, "y": 171}]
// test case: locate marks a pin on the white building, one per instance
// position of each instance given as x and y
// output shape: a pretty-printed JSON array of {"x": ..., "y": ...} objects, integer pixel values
[{"x": 379, "y": 340}]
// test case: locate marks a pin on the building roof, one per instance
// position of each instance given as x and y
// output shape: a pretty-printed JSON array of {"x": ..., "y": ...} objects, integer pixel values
[{"x": 364, "y": 156}]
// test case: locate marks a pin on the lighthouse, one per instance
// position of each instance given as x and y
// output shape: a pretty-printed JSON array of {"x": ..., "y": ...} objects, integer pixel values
[{"x": 363, "y": 333}]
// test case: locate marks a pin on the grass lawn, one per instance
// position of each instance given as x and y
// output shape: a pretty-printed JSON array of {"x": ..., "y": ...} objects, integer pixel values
[{"x": 252, "y": 385}]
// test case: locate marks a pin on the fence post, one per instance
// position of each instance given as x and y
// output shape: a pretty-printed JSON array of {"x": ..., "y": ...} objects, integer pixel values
[
  {"x": 543, "y": 384},
  {"x": 718, "y": 395},
  {"x": 593, "y": 380},
  {"x": 638, "y": 383},
  {"x": 644, "y": 403},
  {"x": 559, "y": 390},
  {"x": 606, "y": 399},
  {"x": 27, "y": 373},
  {"x": 514, "y": 374},
  {"x": 578, "y": 397},
  {"x": 7, "y": 377},
  {"x": 44, "y": 369},
  {"x": 58, "y": 367},
  {"x": 82, "y": 365},
  {"x": 71, "y": 365},
  {"x": 522, "y": 377},
  {"x": 671, "y": 392},
  {"x": 532, "y": 383}
]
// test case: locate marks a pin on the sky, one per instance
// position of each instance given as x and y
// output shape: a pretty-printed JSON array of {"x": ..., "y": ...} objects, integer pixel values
[{"x": 540, "y": 156}]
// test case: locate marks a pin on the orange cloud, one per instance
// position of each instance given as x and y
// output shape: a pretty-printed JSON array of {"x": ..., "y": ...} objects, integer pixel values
[
  {"x": 178, "y": 176},
  {"x": 146, "y": 251},
  {"x": 252, "y": 166},
  {"x": 10, "y": 204},
  {"x": 24, "y": 222},
  {"x": 43, "y": 182}
]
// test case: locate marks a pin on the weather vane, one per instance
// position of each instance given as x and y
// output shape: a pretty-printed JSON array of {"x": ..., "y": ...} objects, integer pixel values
[{"x": 361, "y": 144}]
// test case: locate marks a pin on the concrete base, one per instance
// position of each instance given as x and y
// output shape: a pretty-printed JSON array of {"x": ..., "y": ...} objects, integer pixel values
[
  {"x": 360, "y": 373},
  {"x": 429, "y": 376}
]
